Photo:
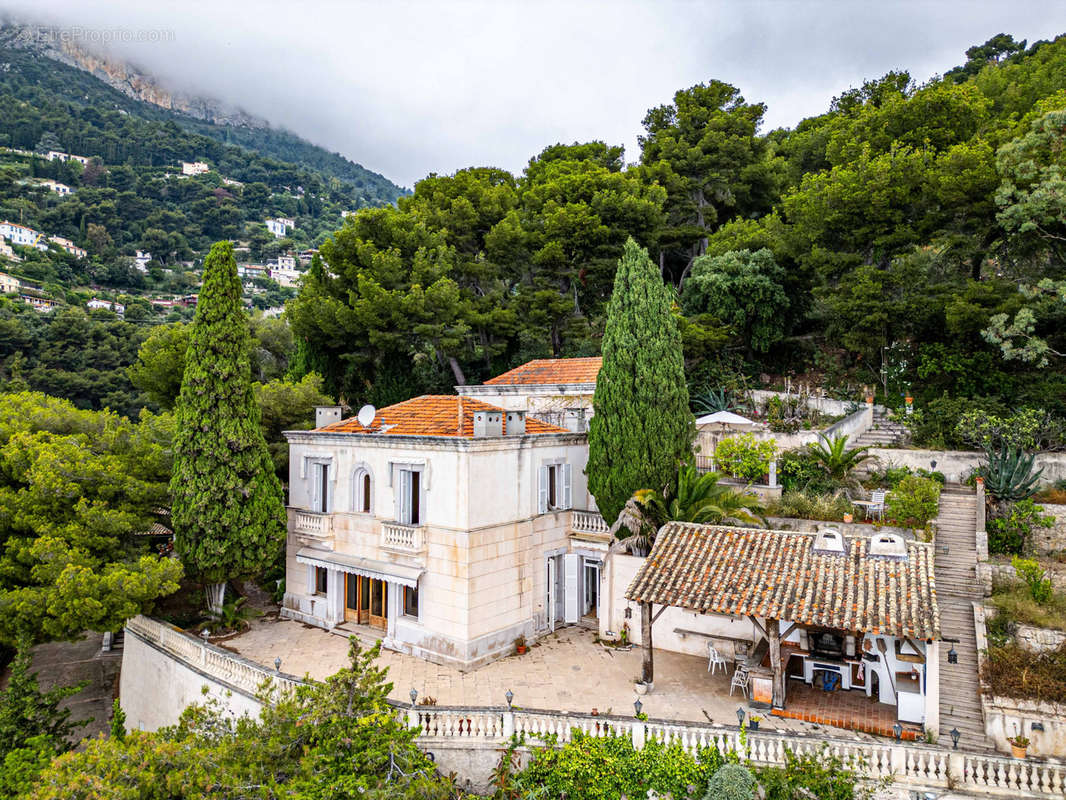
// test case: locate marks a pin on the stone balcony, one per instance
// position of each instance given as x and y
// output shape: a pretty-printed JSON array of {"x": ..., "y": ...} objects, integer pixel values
[
  {"x": 589, "y": 525},
  {"x": 397, "y": 537},
  {"x": 312, "y": 526}
]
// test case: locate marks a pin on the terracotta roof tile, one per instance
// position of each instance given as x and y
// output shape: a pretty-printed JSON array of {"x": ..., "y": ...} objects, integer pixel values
[
  {"x": 431, "y": 415},
  {"x": 551, "y": 370},
  {"x": 780, "y": 574}
]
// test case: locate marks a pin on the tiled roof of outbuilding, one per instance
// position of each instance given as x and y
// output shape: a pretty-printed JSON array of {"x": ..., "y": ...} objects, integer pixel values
[
  {"x": 551, "y": 370},
  {"x": 431, "y": 415},
  {"x": 781, "y": 575}
]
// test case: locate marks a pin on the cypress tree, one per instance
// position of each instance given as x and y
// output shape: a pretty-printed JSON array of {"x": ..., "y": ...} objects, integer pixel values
[
  {"x": 642, "y": 428},
  {"x": 228, "y": 515}
]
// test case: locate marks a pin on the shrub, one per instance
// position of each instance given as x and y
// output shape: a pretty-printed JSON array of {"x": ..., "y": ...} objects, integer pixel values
[
  {"x": 890, "y": 476},
  {"x": 817, "y": 775},
  {"x": 799, "y": 469},
  {"x": 935, "y": 425},
  {"x": 1027, "y": 429},
  {"x": 1015, "y": 604},
  {"x": 731, "y": 782},
  {"x": 744, "y": 456},
  {"x": 1009, "y": 532},
  {"x": 1035, "y": 578},
  {"x": 914, "y": 502},
  {"x": 1012, "y": 671},
  {"x": 808, "y": 505}
]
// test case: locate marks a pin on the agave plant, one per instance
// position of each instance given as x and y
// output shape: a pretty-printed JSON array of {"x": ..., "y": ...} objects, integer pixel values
[
  {"x": 694, "y": 497},
  {"x": 1008, "y": 474},
  {"x": 710, "y": 401},
  {"x": 838, "y": 460}
]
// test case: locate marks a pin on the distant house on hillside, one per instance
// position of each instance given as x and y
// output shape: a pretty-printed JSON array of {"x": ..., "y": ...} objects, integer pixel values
[
  {"x": 284, "y": 277},
  {"x": 55, "y": 155},
  {"x": 141, "y": 260},
  {"x": 7, "y": 252},
  {"x": 21, "y": 235},
  {"x": 285, "y": 262},
  {"x": 194, "y": 168},
  {"x": 67, "y": 245},
  {"x": 231, "y": 182},
  {"x": 59, "y": 188},
  {"x": 106, "y": 305},
  {"x": 250, "y": 271},
  {"x": 279, "y": 226},
  {"x": 42, "y": 304},
  {"x": 8, "y": 283}
]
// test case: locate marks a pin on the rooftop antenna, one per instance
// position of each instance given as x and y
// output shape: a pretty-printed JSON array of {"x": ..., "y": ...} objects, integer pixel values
[{"x": 366, "y": 415}]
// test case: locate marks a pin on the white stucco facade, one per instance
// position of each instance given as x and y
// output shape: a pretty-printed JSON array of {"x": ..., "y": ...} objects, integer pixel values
[{"x": 472, "y": 535}]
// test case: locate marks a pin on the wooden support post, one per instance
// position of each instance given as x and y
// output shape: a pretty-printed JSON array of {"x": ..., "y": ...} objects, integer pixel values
[
  {"x": 773, "y": 637},
  {"x": 648, "y": 674}
]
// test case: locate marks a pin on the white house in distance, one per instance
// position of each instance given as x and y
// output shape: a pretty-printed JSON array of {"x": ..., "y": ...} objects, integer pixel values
[
  {"x": 194, "y": 168},
  {"x": 279, "y": 226},
  {"x": 106, "y": 305},
  {"x": 8, "y": 283},
  {"x": 285, "y": 262},
  {"x": 7, "y": 252},
  {"x": 449, "y": 525},
  {"x": 141, "y": 259},
  {"x": 20, "y": 234},
  {"x": 555, "y": 390},
  {"x": 55, "y": 155},
  {"x": 285, "y": 277},
  {"x": 59, "y": 188},
  {"x": 67, "y": 245}
]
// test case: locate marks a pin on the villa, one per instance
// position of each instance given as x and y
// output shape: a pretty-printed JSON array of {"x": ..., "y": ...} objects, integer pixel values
[{"x": 448, "y": 526}]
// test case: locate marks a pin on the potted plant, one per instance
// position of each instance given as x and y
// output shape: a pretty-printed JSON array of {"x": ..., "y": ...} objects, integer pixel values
[
  {"x": 753, "y": 722},
  {"x": 520, "y": 645},
  {"x": 641, "y": 687},
  {"x": 848, "y": 518},
  {"x": 1018, "y": 745}
]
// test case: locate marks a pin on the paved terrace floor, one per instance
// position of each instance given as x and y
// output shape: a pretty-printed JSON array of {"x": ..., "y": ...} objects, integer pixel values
[{"x": 565, "y": 671}]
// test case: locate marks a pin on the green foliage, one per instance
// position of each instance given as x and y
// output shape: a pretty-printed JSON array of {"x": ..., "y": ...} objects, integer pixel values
[
  {"x": 160, "y": 364},
  {"x": 77, "y": 487},
  {"x": 914, "y": 502},
  {"x": 799, "y": 470},
  {"x": 1015, "y": 605},
  {"x": 1011, "y": 670},
  {"x": 117, "y": 725},
  {"x": 642, "y": 428},
  {"x": 227, "y": 508},
  {"x": 744, "y": 456},
  {"x": 609, "y": 767},
  {"x": 1008, "y": 474},
  {"x": 1009, "y": 528},
  {"x": 1034, "y": 577},
  {"x": 710, "y": 401},
  {"x": 744, "y": 290},
  {"x": 20, "y": 767},
  {"x": 837, "y": 460},
  {"x": 27, "y": 712},
  {"x": 1027, "y": 429},
  {"x": 821, "y": 775},
  {"x": 285, "y": 405},
  {"x": 336, "y": 739},
  {"x": 731, "y": 782},
  {"x": 801, "y": 504}
]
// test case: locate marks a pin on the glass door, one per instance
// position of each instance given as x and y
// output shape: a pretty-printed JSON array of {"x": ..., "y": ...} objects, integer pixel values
[
  {"x": 590, "y": 580},
  {"x": 379, "y": 604},
  {"x": 357, "y": 599}
]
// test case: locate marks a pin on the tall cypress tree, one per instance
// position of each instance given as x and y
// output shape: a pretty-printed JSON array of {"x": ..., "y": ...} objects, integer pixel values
[
  {"x": 228, "y": 515},
  {"x": 642, "y": 427}
]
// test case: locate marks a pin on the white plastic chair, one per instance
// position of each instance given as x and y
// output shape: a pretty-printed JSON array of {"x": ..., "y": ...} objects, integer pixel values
[
  {"x": 740, "y": 680},
  {"x": 714, "y": 659},
  {"x": 877, "y": 504}
]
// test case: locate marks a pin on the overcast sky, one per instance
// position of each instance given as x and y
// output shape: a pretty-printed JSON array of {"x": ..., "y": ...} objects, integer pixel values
[{"x": 408, "y": 87}]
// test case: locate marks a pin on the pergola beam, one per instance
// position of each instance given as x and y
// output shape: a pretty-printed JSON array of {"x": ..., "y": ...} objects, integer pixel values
[{"x": 648, "y": 669}]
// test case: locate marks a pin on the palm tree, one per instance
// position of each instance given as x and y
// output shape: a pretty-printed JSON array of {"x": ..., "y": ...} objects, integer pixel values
[
  {"x": 693, "y": 498},
  {"x": 837, "y": 460}
]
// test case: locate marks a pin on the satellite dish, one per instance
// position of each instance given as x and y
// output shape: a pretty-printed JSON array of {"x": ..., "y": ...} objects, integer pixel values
[{"x": 366, "y": 415}]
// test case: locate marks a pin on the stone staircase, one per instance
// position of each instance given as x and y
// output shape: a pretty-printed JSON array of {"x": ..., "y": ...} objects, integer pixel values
[
  {"x": 956, "y": 589},
  {"x": 883, "y": 433}
]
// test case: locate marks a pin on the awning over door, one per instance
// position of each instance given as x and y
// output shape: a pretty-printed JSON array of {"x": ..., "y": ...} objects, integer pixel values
[{"x": 367, "y": 567}]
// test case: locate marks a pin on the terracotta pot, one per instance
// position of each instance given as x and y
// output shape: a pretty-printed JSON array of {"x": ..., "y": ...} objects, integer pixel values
[
  {"x": 520, "y": 649},
  {"x": 1018, "y": 752},
  {"x": 848, "y": 518}
]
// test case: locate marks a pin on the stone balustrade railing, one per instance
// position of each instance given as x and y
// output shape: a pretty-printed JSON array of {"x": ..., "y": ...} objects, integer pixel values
[
  {"x": 310, "y": 523},
  {"x": 402, "y": 538},
  {"x": 916, "y": 765},
  {"x": 588, "y": 522}
]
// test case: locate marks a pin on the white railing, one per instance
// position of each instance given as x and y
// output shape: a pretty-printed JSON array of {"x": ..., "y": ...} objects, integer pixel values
[
  {"x": 588, "y": 522},
  {"x": 918, "y": 765},
  {"x": 220, "y": 665},
  {"x": 402, "y": 538},
  {"x": 310, "y": 523}
]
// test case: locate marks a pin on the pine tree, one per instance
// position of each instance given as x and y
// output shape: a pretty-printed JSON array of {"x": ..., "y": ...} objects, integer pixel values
[
  {"x": 642, "y": 428},
  {"x": 228, "y": 515}
]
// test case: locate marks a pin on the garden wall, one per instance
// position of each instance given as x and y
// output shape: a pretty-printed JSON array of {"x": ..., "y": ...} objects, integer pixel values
[
  {"x": 957, "y": 464},
  {"x": 827, "y": 405},
  {"x": 1006, "y": 716},
  {"x": 846, "y": 528},
  {"x": 1051, "y": 540}
]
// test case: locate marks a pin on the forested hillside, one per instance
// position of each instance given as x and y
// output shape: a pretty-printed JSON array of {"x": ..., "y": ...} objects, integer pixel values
[{"x": 886, "y": 242}]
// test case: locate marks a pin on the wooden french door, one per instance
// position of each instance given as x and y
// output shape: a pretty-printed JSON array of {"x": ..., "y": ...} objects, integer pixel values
[{"x": 366, "y": 601}]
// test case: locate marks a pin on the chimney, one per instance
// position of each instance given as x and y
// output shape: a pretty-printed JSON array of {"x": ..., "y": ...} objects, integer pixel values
[
  {"x": 327, "y": 415},
  {"x": 488, "y": 423},
  {"x": 516, "y": 423}
]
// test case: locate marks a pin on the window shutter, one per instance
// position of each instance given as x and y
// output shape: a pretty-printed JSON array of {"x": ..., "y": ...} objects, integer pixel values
[
  {"x": 542, "y": 495},
  {"x": 566, "y": 487},
  {"x": 571, "y": 574},
  {"x": 405, "y": 496}
]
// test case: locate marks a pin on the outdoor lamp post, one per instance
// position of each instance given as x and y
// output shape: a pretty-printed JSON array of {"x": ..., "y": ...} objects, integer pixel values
[
  {"x": 277, "y": 664},
  {"x": 414, "y": 696},
  {"x": 898, "y": 730},
  {"x": 510, "y": 697},
  {"x": 954, "y": 733},
  {"x": 740, "y": 716},
  {"x": 637, "y": 706}
]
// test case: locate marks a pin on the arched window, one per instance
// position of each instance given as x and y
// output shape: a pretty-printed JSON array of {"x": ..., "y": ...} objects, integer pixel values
[{"x": 362, "y": 490}]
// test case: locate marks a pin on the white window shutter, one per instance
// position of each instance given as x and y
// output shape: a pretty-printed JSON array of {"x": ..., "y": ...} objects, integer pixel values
[
  {"x": 405, "y": 495},
  {"x": 542, "y": 495},
  {"x": 571, "y": 573},
  {"x": 566, "y": 487}
]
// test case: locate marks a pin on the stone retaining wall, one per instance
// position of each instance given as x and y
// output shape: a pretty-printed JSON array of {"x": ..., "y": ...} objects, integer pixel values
[
  {"x": 846, "y": 528},
  {"x": 1039, "y": 640},
  {"x": 1051, "y": 540}
]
